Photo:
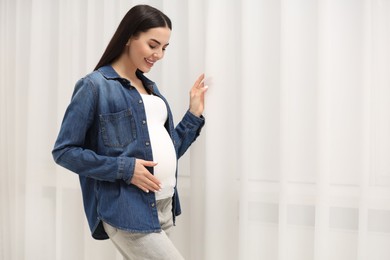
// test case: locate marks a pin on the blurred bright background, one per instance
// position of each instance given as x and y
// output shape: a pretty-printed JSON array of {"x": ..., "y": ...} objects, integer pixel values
[{"x": 294, "y": 160}]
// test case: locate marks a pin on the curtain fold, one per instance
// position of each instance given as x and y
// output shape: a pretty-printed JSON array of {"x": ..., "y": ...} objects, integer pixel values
[{"x": 293, "y": 163}]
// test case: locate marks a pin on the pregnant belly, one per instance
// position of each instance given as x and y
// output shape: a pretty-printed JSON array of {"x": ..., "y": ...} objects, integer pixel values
[{"x": 164, "y": 154}]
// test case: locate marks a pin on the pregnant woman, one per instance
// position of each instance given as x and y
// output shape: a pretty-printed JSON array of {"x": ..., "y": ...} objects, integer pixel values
[{"x": 118, "y": 135}]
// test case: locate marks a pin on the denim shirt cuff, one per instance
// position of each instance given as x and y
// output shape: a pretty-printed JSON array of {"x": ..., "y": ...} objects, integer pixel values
[
  {"x": 193, "y": 119},
  {"x": 125, "y": 168}
]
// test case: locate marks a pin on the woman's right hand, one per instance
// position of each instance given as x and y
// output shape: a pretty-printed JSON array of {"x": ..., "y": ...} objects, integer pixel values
[
  {"x": 197, "y": 93},
  {"x": 143, "y": 179}
]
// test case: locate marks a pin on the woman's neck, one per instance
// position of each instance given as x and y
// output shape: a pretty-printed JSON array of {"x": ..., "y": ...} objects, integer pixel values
[{"x": 124, "y": 69}]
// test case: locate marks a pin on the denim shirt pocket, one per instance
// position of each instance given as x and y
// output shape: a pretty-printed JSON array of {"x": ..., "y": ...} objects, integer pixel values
[{"x": 118, "y": 129}]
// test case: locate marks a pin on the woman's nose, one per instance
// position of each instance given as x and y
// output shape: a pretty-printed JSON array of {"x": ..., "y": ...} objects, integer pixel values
[{"x": 158, "y": 54}]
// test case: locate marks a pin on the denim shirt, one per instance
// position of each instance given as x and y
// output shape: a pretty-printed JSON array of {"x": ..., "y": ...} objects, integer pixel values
[{"x": 103, "y": 131}]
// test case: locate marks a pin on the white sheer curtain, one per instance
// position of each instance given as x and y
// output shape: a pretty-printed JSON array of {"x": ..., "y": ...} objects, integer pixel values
[{"x": 293, "y": 163}]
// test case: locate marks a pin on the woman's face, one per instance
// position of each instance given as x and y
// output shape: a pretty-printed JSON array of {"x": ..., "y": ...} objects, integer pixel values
[{"x": 148, "y": 47}]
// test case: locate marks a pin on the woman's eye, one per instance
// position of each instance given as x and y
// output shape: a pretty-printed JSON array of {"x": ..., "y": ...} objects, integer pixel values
[{"x": 152, "y": 46}]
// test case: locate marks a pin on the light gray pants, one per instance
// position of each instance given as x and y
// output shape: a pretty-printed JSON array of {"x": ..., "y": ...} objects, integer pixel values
[{"x": 151, "y": 246}]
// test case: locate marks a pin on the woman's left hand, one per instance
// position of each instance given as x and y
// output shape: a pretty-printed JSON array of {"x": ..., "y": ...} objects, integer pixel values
[{"x": 197, "y": 96}]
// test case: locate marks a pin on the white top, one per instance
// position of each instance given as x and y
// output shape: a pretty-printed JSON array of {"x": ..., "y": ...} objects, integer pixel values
[{"x": 162, "y": 146}]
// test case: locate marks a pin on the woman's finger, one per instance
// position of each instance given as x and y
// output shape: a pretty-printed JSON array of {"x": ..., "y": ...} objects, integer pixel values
[
  {"x": 199, "y": 80},
  {"x": 152, "y": 183}
]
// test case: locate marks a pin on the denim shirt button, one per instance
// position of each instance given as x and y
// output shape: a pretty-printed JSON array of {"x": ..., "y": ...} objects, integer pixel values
[
  {"x": 143, "y": 122},
  {"x": 147, "y": 143},
  {"x": 152, "y": 205},
  {"x": 140, "y": 101}
]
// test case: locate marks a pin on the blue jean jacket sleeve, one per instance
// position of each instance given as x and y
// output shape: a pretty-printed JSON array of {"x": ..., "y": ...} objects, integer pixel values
[
  {"x": 187, "y": 130},
  {"x": 71, "y": 150}
]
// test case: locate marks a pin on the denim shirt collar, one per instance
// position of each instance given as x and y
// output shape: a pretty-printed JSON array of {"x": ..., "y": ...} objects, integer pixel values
[{"x": 109, "y": 73}]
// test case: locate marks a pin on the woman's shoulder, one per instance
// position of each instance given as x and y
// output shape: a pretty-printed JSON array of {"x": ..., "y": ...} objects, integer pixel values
[
  {"x": 91, "y": 83},
  {"x": 95, "y": 79}
]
